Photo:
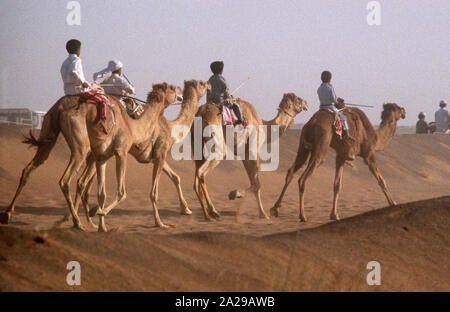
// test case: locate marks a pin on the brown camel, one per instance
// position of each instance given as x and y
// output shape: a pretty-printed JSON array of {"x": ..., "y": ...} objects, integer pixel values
[
  {"x": 318, "y": 134},
  {"x": 67, "y": 115},
  {"x": 289, "y": 107},
  {"x": 148, "y": 143}
]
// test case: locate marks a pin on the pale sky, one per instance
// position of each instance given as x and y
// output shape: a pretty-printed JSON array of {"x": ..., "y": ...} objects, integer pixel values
[{"x": 282, "y": 45}]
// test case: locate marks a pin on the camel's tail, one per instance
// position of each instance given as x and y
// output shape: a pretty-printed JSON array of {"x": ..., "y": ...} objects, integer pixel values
[
  {"x": 48, "y": 136},
  {"x": 31, "y": 140}
]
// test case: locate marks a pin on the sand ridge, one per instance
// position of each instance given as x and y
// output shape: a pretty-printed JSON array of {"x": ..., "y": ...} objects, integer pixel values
[{"x": 239, "y": 252}]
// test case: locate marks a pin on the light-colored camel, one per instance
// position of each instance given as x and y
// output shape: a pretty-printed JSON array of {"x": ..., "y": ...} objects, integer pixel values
[
  {"x": 318, "y": 134},
  {"x": 289, "y": 107},
  {"x": 67, "y": 115},
  {"x": 147, "y": 146}
]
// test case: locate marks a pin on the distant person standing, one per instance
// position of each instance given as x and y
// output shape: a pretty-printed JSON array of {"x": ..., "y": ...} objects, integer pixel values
[
  {"x": 72, "y": 70},
  {"x": 421, "y": 125},
  {"x": 441, "y": 118}
]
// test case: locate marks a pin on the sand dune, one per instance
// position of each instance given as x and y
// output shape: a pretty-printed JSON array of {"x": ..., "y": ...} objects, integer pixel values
[{"x": 239, "y": 252}]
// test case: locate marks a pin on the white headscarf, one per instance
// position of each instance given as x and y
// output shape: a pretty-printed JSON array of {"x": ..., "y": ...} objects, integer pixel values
[{"x": 112, "y": 66}]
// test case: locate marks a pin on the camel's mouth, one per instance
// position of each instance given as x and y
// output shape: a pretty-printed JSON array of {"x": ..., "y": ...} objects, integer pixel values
[{"x": 180, "y": 97}]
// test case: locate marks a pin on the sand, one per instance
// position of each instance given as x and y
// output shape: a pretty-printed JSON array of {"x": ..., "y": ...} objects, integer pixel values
[{"x": 240, "y": 252}]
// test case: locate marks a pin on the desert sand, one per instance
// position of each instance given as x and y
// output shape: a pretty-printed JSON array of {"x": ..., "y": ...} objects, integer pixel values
[{"x": 240, "y": 252}]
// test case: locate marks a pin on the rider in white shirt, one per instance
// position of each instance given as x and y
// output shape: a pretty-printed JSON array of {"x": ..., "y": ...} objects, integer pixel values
[
  {"x": 441, "y": 118},
  {"x": 114, "y": 83},
  {"x": 72, "y": 70}
]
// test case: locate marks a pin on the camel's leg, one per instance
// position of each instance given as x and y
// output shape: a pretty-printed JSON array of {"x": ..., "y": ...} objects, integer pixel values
[
  {"x": 302, "y": 157},
  {"x": 340, "y": 162},
  {"x": 210, "y": 165},
  {"x": 83, "y": 186},
  {"x": 184, "y": 209},
  {"x": 39, "y": 158},
  {"x": 101, "y": 176},
  {"x": 121, "y": 167},
  {"x": 199, "y": 178},
  {"x": 252, "y": 169},
  {"x": 201, "y": 197},
  {"x": 371, "y": 162},
  {"x": 157, "y": 167},
  {"x": 76, "y": 160}
]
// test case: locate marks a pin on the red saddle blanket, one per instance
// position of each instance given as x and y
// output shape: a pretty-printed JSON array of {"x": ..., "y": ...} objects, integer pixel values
[{"x": 98, "y": 98}]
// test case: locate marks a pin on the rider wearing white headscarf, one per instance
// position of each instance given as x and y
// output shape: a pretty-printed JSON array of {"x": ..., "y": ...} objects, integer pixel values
[{"x": 116, "y": 83}]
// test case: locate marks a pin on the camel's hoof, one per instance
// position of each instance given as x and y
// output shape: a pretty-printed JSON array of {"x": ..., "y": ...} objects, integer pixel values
[
  {"x": 274, "y": 212},
  {"x": 335, "y": 217},
  {"x": 93, "y": 211},
  {"x": 91, "y": 223},
  {"x": 214, "y": 214},
  {"x": 79, "y": 227},
  {"x": 102, "y": 229},
  {"x": 210, "y": 219},
  {"x": 393, "y": 203},
  {"x": 234, "y": 194},
  {"x": 264, "y": 216},
  {"x": 186, "y": 211},
  {"x": 162, "y": 226},
  {"x": 303, "y": 219},
  {"x": 5, "y": 217}
]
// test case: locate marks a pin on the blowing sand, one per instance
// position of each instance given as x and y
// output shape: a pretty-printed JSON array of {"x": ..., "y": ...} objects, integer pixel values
[{"x": 240, "y": 252}]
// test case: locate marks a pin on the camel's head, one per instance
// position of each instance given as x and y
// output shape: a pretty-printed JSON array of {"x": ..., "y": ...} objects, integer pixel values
[
  {"x": 393, "y": 110},
  {"x": 292, "y": 104},
  {"x": 164, "y": 92},
  {"x": 200, "y": 87}
]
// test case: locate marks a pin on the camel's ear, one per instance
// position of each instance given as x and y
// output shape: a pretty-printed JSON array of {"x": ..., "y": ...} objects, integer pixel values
[{"x": 165, "y": 85}]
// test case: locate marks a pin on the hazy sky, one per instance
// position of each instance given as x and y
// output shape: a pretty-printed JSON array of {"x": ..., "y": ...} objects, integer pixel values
[{"x": 282, "y": 45}]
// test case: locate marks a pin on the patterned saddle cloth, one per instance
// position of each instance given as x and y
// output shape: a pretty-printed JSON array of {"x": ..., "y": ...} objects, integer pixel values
[
  {"x": 229, "y": 117},
  {"x": 97, "y": 96}
]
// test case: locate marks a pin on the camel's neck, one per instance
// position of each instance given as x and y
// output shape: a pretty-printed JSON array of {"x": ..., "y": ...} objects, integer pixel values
[
  {"x": 188, "y": 108},
  {"x": 145, "y": 125},
  {"x": 385, "y": 132},
  {"x": 283, "y": 120}
]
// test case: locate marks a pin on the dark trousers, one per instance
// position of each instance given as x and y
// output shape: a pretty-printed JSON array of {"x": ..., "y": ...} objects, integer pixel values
[{"x": 237, "y": 111}]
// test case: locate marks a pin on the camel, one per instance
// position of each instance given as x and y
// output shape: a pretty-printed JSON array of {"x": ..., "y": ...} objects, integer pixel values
[
  {"x": 137, "y": 140},
  {"x": 289, "y": 107},
  {"x": 318, "y": 134},
  {"x": 67, "y": 115}
]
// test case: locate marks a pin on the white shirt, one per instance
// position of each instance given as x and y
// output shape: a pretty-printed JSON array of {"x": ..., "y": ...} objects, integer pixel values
[
  {"x": 72, "y": 75},
  {"x": 441, "y": 118},
  {"x": 120, "y": 84}
]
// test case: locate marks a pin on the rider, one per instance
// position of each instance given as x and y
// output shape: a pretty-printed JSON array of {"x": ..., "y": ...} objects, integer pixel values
[
  {"x": 219, "y": 93},
  {"x": 72, "y": 70},
  {"x": 421, "y": 125},
  {"x": 327, "y": 98},
  {"x": 114, "y": 83}
]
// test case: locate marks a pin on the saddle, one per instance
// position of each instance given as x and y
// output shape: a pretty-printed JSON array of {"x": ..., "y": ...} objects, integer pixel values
[
  {"x": 229, "y": 117},
  {"x": 133, "y": 109},
  {"x": 98, "y": 97}
]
